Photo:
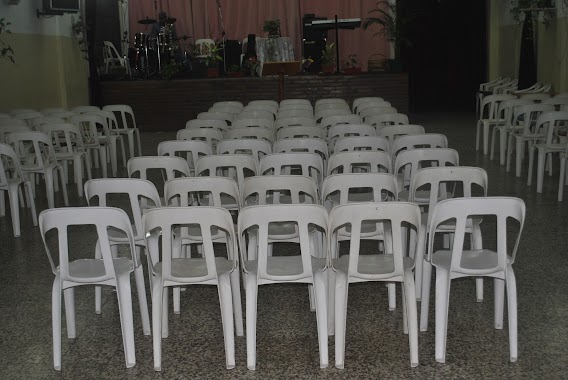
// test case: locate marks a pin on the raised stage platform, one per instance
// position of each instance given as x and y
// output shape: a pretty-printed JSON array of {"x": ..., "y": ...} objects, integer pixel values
[{"x": 165, "y": 105}]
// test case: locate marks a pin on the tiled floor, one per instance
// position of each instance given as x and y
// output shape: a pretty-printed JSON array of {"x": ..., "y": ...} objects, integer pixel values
[{"x": 286, "y": 335}]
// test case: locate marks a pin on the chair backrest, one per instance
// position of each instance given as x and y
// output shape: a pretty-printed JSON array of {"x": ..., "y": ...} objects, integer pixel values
[
  {"x": 255, "y": 114},
  {"x": 436, "y": 181},
  {"x": 348, "y": 130},
  {"x": 549, "y": 123},
  {"x": 272, "y": 103},
  {"x": 300, "y": 163},
  {"x": 371, "y": 111},
  {"x": 399, "y": 216},
  {"x": 124, "y": 115},
  {"x": 284, "y": 189},
  {"x": 251, "y": 133},
  {"x": 362, "y": 161},
  {"x": 65, "y": 115},
  {"x": 530, "y": 114},
  {"x": 310, "y": 145},
  {"x": 490, "y": 105},
  {"x": 220, "y": 125},
  {"x": 22, "y": 143},
  {"x": 257, "y": 148},
  {"x": 190, "y": 150},
  {"x": 35, "y": 123},
  {"x": 319, "y": 115},
  {"x": 380, "y": 121},
  {"x": 89, "y": 126},
  {"x": 362, "y": 143},
  {"x": 394, "y": 131},
  {"x": 204, "y": 45},
  {"x": 235, "y": 166},
  {"x": 294, "y": 107},
  {"x": 229, "y": 103},
  {"x": 9, "y": 128},
  {"x": 372, "y": 104},
  {"x": 261, "y": 107},
  {"x": 28, "y": 116},
  {"x": 331, "y": 121},
  {"x": 408, "y": 162},
  {"x": 538, "y": 96},
  {"x": 227, "y": 117},
  {"x": 9, "y": 166},
  {"x": 426, "y": 140},
  {"x": 103, "y": 218},
  {"x": 362, "y": 100},
  {"x": 208, "y": 135},
  {"x": 506, "y": 109},
  {"x": 332, "y": 106},
  {"x": 162, "y": 222},
  {"x": 172, "y": 166},
  {"x": 226, "y": 109},
  {"x": 85, "y": 109},
  {"x": 294, "y": 122},
  {"x": 109, "y": 51},
  {"x": 256, "y": 122},
  {"x": 462, "y": 209},
  {"x": 305, "y": 216},
  {"x": 299, "y": 132},
  {"x": 99, "y": 191},
  {"x": 330, "y": 101},
  {"x": 66, "y": 138},
  {"x": 13, "y": 122},
  {"x": 286, "y": 102},
  {"x": 284, "y": 113},
  {"x": 202, "y": 191},
  {"x": 341, "y": 188},
  {"x": 556, "y": 101}
]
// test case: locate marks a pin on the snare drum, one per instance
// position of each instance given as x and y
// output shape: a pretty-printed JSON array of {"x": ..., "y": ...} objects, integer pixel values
[{"x": 140, "y": 40}]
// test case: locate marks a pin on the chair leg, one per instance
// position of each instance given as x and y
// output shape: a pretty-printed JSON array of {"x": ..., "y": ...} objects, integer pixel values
[
  {"x": 391, "y": 290},
  {"x": 69, "y": 297},
  {"x": 31, "y": 201},
  {"x": 165, "y": 313},
  {"x": 341, "y": 293},
  {"x": 251, "y": 289},
  {"x": 56, "y": 322},
  {"x": 320, "y": 280},
  {"x": 330, "y": 302},
  {"x": 561, "y": 179},
  {"x": 14, "y": 209},
  {"x": 131, "y": 144},
  {"x": 78, "y": 175},
  {"x": 425, "y": 303},
  {"x": 142, "y": 300},
  {"x": 419, "y": 258},
  {"x": 540, "y": 170},
  {"x": 509, "y": 152},
  {"x": 137, "y": 133},
  {"x": 502, "y": 145},
  {"x": 493, "y": 138},
  {"x": 226, "y": 303},
  {"x": 485, "y": 138},
  {"x": 410, "y": 299},
  {"x": 512, "y": 311},
  {"x": 237, "y": 306},
  {"x": 531, "y": 164},
  {"x": 499, "y": 291},
  {"x": 157, "y": 308},
  {"x": 124, "y": 296},
  {"x": 518, "y": 155},
  {"x": 442, "y": 303},
  {"x": 477, "y": 135},
  {"x": 177, "y": 299}
]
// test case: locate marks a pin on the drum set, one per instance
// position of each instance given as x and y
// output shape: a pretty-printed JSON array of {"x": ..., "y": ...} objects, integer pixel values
[{"x": 154, "y": 50}]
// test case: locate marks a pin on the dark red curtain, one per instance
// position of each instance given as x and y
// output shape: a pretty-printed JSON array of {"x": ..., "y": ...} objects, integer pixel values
[{"x": 201, "y": 19}]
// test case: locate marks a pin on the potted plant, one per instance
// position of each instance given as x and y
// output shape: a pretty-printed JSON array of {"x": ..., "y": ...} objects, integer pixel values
[
  {"x": 251, "y": 66},
  {"x": 328, "y": 58},
  {"x": 235, "y": 71},
  {"x": 272, "y": 27},
  {"x": 352, "y": 65},
  {"x": 547, "y": 7},
  {"x": 6, "y": 51},
  {"x": 211, "y": 60},
  {"x": 393, "y": 26},
  {"x": 80, "y": 31}
]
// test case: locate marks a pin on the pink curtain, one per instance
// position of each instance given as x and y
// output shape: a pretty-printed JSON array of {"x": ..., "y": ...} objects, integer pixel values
[{"x": 200, "y": 19}]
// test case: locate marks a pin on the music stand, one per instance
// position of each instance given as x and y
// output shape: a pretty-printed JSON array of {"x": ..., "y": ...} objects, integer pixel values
[{"x": 277, "y": 68}]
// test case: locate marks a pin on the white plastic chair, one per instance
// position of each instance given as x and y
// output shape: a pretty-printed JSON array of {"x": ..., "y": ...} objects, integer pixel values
[
  {"x": 235, "y": 166},
  {"x": 252, "y": 133},
  {"x": 70, "y": 149},
  {"x": 362, "y": 100},
  {"x": 488, "y": 118},
  {"x": 284, "y": 110},
  {"x": 299, "y": 163},
  {"x": 294, "y": 122},
  {"x": 36, "y": 156},
  {"x": 229, "y": 103},
  {"x": 362, "y": 143},
  {"x": 362, "y": 161},
  {"x": 190, "y": 150},
  {"x": 426, "y": 140},
  {"x": 226, "y": 109},
  {"x": 65, "y": 115},
  {"x": 348, "y": 130},
  {"x": 548, "y": 146},
  {"x": 227, "y": 117},
  {"x": 38, "y": 121},
  {"x": 286, "y": 102},
  {"x": 528, "y": 135},
  {"x": 295, "y": 112},
  {"x": 11, "y": 178},
  {"x": 538, "y": 97},
  {"x": 430, "y": 186},
  {"x": 93, "y": 140},
  {"x": 372, "y": 104},
  {"x": 257, "y": 148},
  {"x": 172, "y": 166},
  {"x": 557, "y": 102},
  {"x": 110, "y": 133},
  {"x": 173, "y": 270},
  {"x": 330, "y": 101},
  {"x": 203, "y": 47},
  {"x": 391, "y": 266},
  {"x": 264, "y": 102},
  {"x": 255, "y": 114},
  {"x": 97, "y": 271},
  {"x": 126, "y": 126},
  {"x": 208, "y": 135},
  {"x": 282, "y": 189},
  {"x": 261, "y": 107},
  {"x": 384, "y": 120},
  {"x": 261, "y": 269},
  {"x": 257, "y": 122},
  {"x": 299, "y": 132},
  {"x": 394, "y": 131},
  {"x": 372, "y": 111},
  {"x": 319, "y": 115},
  {"x": 27, "y": 116},
  {"x": 339, "y": 189},
  {"x": 112, "y": 59},
  {"x": 458, "y": 262},
  {"x": 331, "y": 121},
  {"x": 332, "y": 106},
  {"x": 12, "y": 128},
  {"x": 220, "y": 125},
  {"x": 85, "y": 109}
]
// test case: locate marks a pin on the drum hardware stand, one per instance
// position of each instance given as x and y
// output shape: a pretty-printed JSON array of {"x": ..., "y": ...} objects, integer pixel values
[{"x": 223, "y": 37}]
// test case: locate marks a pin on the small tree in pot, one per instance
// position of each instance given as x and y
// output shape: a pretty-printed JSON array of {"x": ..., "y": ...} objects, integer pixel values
[
  {"x": 328, "y": 58},
  {"x": 352, "y": 65},
  {"x": 211, "y": 60}
]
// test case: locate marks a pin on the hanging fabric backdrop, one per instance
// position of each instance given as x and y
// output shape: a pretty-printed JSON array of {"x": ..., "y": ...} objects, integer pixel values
[{"x": 201, "y": 19}]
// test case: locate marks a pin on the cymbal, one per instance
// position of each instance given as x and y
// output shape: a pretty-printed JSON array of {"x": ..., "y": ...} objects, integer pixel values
[
  {"x": 170, "y": 20},
  {"x": 147, "y": 21}
]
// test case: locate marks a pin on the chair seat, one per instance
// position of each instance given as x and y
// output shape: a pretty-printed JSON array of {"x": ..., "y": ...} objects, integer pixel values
[
  {"x": 421, "y": 196},
  {"x": 284, "y": 265},
  {"x": 92, "y": 268},
  {"x": 194, "y": 267},
  {"x": 372, "y": 264},
  {"x": 483, "y": 259},
  {"x": 551, "y": 147}
]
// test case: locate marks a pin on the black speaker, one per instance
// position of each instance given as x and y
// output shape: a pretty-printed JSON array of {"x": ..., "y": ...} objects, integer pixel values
[
  {"x": 314, "y": 41},
  {"x": 233, "y": 52}
]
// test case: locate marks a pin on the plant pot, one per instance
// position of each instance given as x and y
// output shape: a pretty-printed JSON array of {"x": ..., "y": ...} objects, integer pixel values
[
  {"x": 236, "y": 74},
  {"x": 212, "y": 72},
  {"x": 352, "y": 70},
  {"x": 327, "y": 68}
]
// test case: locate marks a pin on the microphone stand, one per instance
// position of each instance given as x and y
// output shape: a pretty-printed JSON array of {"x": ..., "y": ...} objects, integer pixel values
[{"x": 223, "y": 38}]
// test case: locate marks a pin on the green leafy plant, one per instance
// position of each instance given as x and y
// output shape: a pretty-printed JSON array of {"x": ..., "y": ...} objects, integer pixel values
[
  {"x": 170, "y": 70},
  {"x": 328, "y": 54},
  {"x": 6, "y": 51},
  {"x": 212, "y": 56},
  {"x": 80, "y": 32},
  {"x": 272, "y": 27},
  {"x": 393, "y": 25}
]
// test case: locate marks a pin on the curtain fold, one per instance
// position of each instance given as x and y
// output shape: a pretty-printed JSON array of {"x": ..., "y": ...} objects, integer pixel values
[{"x": 201, "y": 19}]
